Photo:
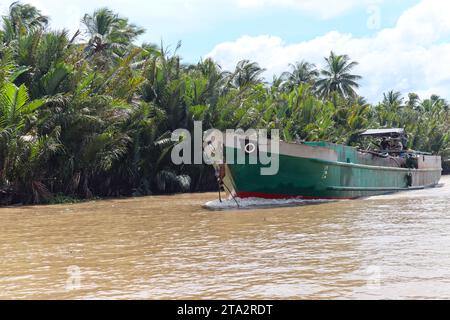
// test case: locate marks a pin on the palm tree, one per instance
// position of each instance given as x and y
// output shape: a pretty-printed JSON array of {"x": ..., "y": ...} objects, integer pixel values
[
  {"x": 21, "y": 151},
  {"x": 336, "y": 76},
  {"x": 107, "y": 107},
  {"x": 390, "y": 111},
  {"x": 22, "y": 19},
  {"x": 301, "y": 73},
  {"x": 413, "y": 101},
  {"x": 109, "y": 35},
  {"x": 392, "y": 100},
  {"x": 15, "y": 108},
  {"x": 42, "y": 56},
  {"x": 246, "y": 73}
]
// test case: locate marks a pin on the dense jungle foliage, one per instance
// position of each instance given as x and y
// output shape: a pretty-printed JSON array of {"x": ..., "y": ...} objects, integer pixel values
[{"x": 91, "y": 114}]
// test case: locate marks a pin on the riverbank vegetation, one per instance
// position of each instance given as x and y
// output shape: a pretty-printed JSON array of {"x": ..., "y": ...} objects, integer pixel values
[{"x": 90, "y": 114}]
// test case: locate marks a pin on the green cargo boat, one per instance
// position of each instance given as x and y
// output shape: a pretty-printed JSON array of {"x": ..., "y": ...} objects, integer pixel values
[{"x": 322, "y": 170}]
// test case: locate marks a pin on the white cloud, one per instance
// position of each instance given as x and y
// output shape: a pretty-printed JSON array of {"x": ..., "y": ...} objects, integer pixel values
[{"x": 413, "y": 56}]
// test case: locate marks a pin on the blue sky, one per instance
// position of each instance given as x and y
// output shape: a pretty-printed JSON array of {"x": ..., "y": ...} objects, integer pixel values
[
  {"x": 290, "y": 25},
  {"x": 400, "y": 44},
  {"x": 201, "y": 25}
]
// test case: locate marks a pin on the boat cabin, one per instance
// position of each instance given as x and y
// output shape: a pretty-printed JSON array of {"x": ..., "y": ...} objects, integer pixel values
[
  {"x": 392, "y": 141},
  {"x": 391, "y": 144}
]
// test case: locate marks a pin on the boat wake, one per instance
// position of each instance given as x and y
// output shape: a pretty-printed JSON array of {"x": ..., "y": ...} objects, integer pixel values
[
  {"x": 253, "y": 203},
  {"x": 441, "y": 190}
]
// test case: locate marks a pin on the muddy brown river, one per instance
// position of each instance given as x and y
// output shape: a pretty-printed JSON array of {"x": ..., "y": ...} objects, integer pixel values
[{"x": 388, "y": 247}]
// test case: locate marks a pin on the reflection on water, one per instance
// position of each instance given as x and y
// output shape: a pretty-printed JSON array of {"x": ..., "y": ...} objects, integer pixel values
[{"x": 388, "y": 247}]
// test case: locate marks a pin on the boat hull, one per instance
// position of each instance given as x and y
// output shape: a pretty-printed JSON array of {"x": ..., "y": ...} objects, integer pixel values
[{"x": 305, "y": 175}]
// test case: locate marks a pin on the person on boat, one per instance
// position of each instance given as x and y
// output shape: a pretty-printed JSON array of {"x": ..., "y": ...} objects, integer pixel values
[
  {"x": 405, "y": 141},
  {"x": 384, "y": 144},
  {"x": 396, "y": 144}
]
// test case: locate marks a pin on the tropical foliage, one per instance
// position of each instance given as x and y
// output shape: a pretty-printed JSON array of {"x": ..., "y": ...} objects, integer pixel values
[{"x": 90, "y": 114}]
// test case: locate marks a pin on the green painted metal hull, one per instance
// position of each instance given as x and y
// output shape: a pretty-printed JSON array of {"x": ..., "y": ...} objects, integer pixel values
[{"x": 311, "y": 178}]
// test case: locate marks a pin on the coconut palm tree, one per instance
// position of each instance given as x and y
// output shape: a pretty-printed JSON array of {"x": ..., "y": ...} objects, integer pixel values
[
  {"x": 337, "y": 76},
  {"x": 22, "y": 19},
  {"x": 393, "y": 100},
  {"x": 413, "y": 101},
  {"x": 109, "y": 35},
  {"x": 301, "y": 73},
  {"x": 246, "y": 73}
]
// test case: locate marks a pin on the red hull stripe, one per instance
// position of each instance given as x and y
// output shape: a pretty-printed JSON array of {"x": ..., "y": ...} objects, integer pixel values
[{"x": 243, "y": 195}]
